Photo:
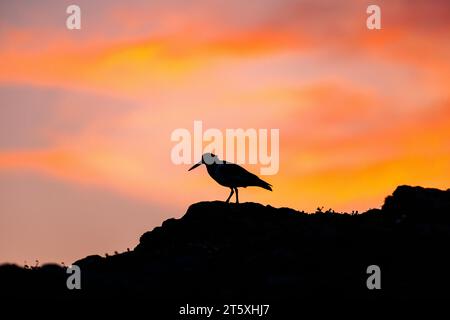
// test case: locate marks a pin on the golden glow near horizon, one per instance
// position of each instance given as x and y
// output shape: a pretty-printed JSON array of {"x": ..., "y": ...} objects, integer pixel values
[{"x": 86, "y": 115}]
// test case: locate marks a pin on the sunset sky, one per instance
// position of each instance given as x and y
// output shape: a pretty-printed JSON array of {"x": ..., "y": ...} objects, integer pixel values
[{"x": 86, "y": 115}]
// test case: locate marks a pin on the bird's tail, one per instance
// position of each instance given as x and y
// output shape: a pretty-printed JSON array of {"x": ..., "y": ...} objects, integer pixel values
[{"x": 265, "y": 185}]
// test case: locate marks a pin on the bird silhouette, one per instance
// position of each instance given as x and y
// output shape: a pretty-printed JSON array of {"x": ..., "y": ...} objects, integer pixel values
[{"x": 230, "y": 175}]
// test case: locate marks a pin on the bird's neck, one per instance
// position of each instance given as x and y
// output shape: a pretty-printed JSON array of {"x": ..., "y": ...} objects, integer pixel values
[{"x": 211, "y": 167}]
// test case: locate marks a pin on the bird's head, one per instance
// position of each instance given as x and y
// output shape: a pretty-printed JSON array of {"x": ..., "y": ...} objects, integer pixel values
[{"x": 207, "y": 159}]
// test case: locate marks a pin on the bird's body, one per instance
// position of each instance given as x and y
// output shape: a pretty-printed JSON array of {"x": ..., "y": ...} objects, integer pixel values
[
  {"x": 233, "y": 176},
  {"x": 230, "y": 175}
]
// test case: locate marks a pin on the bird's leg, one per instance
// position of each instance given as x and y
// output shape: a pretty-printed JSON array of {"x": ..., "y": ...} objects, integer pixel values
[
  {"x": 231, "y": 194},
  {"x": 237, "y": 198}
]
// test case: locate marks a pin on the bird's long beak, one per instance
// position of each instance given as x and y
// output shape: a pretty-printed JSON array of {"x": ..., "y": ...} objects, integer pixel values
[{"x": 195, "y": 165}]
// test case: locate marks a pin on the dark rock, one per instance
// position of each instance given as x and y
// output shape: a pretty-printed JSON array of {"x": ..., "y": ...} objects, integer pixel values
[
  {"x": 423, "y": 204},
  {"x": 250, "y": 252}
]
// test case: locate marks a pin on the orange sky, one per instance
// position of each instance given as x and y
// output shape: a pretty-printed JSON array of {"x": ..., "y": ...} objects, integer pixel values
[{"x": 86, "y": 116}]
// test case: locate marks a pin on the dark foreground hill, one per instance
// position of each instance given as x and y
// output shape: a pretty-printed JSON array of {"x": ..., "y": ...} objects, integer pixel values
[{"x": 250, "y": 252}]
